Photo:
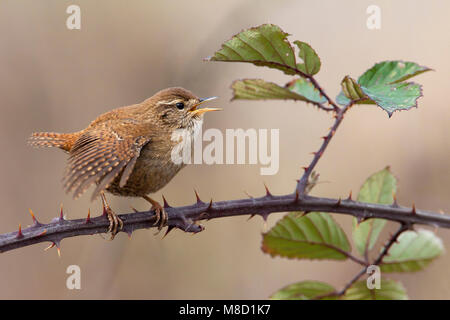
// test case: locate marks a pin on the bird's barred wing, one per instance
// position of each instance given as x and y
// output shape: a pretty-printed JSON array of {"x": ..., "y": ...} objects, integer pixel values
[{"x": 100, "y": 156}]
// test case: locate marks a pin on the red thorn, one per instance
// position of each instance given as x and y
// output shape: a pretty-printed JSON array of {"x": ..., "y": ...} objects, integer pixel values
[
  {"x": 197, "y": 197},
  {"x": 305, "y": 168},
  {"x": 210, "y": 205},
  {"x": 42, "y": 233},
  {"x": 325, "y": 137},
  {"x": 413, "y": 211},
  {"x": 169, "y": 228},
  {"x": 53, "y": 244},
  {"x": 297, "y": 195},
  {"x": 350, "y": 196},
  {"x": 88, "y": 218},
  {"x": 166, "y": 204},
  {"x": 313, "y": 153},
  {"x": 251, "y": 216},
  {"x": 268, "y": 194},
  {"x": 35, "y": 221},
  {"x": 338, "y": 203},
  {"x": 61, "y": 214},
  {"x": 50, "y": 246},
  {"x": 19, "y": 232}
]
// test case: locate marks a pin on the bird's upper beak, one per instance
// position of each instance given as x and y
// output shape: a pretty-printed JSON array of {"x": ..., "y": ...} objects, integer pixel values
[{"x": 196, "y": 111}]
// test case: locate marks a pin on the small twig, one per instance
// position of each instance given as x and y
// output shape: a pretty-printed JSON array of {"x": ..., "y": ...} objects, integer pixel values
[{"x": 378, "y": 260}]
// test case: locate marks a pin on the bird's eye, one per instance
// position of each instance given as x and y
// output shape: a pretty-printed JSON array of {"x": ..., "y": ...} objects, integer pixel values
[{"x": 180, "y": 105}]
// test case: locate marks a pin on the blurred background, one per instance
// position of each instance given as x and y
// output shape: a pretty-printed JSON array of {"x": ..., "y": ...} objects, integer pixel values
[{"x": 55, "y": 79}]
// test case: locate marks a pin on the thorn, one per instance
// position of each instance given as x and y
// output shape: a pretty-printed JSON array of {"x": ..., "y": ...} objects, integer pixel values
[
  {"x": 35, "y": 221},
  {"x": 199, "y": 201},
  {"x": 248, "y": 195},
  {"x": 268, "y": 194},
  {"x": 350, "y": 196},
  {"x": 61, "y": 214},
  {"x": 166, "y": 204},
  {"x": 42, "y": 233},
  {"x": 325, "y": 137},
  {"x": 313, "y": 153},
  {"x": 338, "y": 203},
  {"x": 394, "y": 204},
  {"x": 57, "y": 247},
  {"x": 19, "y": 232},
  {"x": 413, "y": 211},
  {"x": 50, "y": 246},
  {"x": 134, "y": 209},
  {"x": 210, "y": 205},
  {"x": 88, "y": 218},
  {"x": 305, "y": 168},
  {"x": 129, "y": 232},
  {"x": 297, "y": 196},
  {"x": 251, "y": 216},
  {"x": 264, "y": 216},
  {"x": 169, "y": 228}
]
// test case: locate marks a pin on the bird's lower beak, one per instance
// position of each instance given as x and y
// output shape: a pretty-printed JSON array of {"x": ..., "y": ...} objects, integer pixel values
[{"x": 198, "y": 112}]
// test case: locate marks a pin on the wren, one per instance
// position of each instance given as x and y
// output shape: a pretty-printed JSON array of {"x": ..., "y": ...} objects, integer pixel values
[{"x": 127, "y": 151}]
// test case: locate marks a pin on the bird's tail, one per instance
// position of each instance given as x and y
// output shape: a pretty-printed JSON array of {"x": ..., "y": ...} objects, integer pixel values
[{"x": 52, "y": 139}]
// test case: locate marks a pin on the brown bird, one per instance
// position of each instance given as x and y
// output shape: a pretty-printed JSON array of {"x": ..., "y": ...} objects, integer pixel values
[{"x": 128, "y": 151}]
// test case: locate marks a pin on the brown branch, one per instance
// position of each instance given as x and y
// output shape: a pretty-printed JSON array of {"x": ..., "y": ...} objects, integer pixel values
[
  {"x": 301, "y": 185},
  {"x": 403, "y": 227},
  {"x": 185, "y": 217}
]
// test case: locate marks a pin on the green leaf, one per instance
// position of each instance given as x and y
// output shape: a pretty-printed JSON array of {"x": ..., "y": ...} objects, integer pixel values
[
  {"x": 398, "y": 96},
  {"x": 311, "y": 61},
  {"x": 413, "y": 252},
  {"x": 389, "y": 290},
  {"x": 265, "y": 45},
  {"x": 304, "y": 290},
  {"x": 305, "y": 88},
  {"x": 257, "y": 89},
  {"x": 312, "y": 236},
  {"x": 383, "y": 85},
  {"x": 390, "y": 72},
  {"x": 378, "y": 188}
]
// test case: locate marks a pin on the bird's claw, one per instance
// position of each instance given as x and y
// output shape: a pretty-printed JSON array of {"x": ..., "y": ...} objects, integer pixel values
[{"x": 115, "y": 223}]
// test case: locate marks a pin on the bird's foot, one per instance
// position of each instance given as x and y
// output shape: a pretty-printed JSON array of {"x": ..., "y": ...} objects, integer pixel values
[
  {"x": 115, "y": 223},
  {"x": 161, "y": 215}
]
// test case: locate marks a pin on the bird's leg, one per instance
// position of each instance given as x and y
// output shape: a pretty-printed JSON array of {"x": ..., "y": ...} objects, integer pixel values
[
  {"x": 115, "y": 223},
  {"x": 161, "y": 214}
]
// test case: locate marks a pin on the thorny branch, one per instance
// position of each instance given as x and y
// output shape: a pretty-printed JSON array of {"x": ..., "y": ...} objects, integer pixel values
[{"x": 185, "y": 217}]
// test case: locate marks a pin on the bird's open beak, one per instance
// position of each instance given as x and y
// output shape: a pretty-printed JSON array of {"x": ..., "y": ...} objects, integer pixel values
[{"x": 196, "y": 111}]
